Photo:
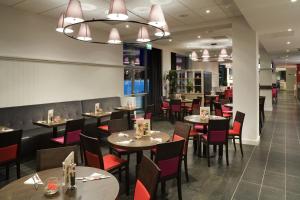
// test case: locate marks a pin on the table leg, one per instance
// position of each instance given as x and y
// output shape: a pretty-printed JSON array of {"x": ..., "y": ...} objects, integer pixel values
[
  {"x": 129, "y": 120},
  {"x": 54, "y": 132},
  {"x": 98, "y": 122},
  {"x": 139, "y": 156}
]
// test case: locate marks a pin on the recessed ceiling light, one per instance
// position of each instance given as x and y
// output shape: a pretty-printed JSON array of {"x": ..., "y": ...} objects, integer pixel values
[
  {"x": 88, "y": 7},
  {"x": 170, "y": 40},
  {"x": 294, "y": 1},
  {"x": 289, "y": 30},
  {"x": 127, "y": 26},
  {"x": 199, "y": 36},
  {"x": 207, "y": 11},
  {"x": 288, "y": 42}
]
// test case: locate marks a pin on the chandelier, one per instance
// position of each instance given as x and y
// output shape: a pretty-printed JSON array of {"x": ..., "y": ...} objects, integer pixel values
[
  {"x": 72, "y": 24},
  {"x": 205, "y": 57}
]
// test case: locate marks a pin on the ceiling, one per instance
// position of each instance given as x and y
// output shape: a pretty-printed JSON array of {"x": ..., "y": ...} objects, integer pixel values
[
  {"x": 187, "y": 19},
  {"x": 272, "y": 19}
]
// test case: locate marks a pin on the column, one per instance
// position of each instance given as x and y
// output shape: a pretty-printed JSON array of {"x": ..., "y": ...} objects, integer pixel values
[{"x": 246, "y": 78}]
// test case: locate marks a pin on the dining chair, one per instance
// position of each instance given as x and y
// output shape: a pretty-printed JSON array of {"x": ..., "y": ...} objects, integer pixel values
[
  {"x": 53, "y": 158},
  {"x": 175, "y": 109},
  {"x": 109, "y": 162},
  {"x": 147, "y": 115},
  {"x": 168, "y": 159},
  {"x": 165, "y": 107},
  {"x": 219, "y": 111},
  {"x": 217, "y": 134},
  {"x": 147, "y": 180},
  {"x": 196, "y": 104},
  {"x": 10, "y": 150},
  {"x": 181, "y": 132},
  {"x": 114, "y": 115},
  {"x": 237, "y": 129}
]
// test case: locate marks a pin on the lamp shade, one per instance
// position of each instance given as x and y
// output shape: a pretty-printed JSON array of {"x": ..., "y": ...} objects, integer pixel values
[
  {"x": 143, "y": 35},
  {"x": 117, "y": 10},
  {"x": 114, "y": 37},
  {"x": 61, "y": 25},
  {"x": 156, "y": 17},
  {"x": 223, "y": 53},
  {"x": 84, "y": 33},
  {"x": 205, "y": 54},
  {"x": 159, "y": 33},
  {"x": 74, "y": 12},
  {"x": 194, "y": 56}
]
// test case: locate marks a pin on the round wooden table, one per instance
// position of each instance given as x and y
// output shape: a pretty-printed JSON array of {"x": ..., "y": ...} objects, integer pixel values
[{"x": 105, "y": 189}]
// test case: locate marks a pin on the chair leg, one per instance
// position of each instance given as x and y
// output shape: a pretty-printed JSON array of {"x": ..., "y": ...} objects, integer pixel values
[
  {"x": 241, "y": 147},
  {"x": 18, "y": 169},
  {"x": 186, "y": 169},
  {"x": 163, "y": 187},
  {"x": 7, "y": 172},
  {"x": 199, "y": 146},
  {"x": 233, "y": 140},
  {"x": 227, "y": 162},
  {"x": 151, "y": 155},
  {"x": 208, "y": 155},
  {"x": 179, "y": 187},
  {"x": 195, "y": 143},
  {"x": 127, "y": 179},
  {"x": 120, "y": 174},
  {"x": 215, "y": 148}
]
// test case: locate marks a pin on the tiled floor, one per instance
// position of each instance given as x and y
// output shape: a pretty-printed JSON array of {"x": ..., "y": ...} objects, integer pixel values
[{"x": 268, "y": 171}]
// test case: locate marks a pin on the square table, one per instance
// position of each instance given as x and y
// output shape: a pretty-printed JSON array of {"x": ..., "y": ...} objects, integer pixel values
[
  {"x": 97, "y": 116},
  {"x": 4, "y": 129},
  {"x": 129, "y": 110},
  {"x": 53, "y": 124}
]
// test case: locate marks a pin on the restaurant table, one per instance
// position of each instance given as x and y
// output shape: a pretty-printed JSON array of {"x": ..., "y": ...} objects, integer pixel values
[
  {"x": 196, "y": 119},
  {"x": 54, "y": 125},
  {"x": 211, "y": 97},
  {"x": 144, "y": 143},
  {"x": 4, "y": 129},
  {"x": 97, "y": 116},
  {"x": 129, "y": 111},
  {"x": 104, "y": 189},
  {"x": 229, "y": 105}
]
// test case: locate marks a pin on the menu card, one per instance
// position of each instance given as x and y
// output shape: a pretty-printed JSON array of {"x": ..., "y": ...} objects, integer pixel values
[
  {"x": 142, "y": 127},
  {"x": 97, "y": 108},
  {"x": 50, "y": 115},
  {"x": 68, "y": 162},
  {"x": 204, "y": 113}
]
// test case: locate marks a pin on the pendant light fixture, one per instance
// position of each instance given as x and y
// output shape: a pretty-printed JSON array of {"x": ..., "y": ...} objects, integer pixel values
[
  {"x": 61, "y": 25},
  {"x": 205, "y": 53},
  {"x": 194, "y": 56},
  {"x": 117, "y": 10},
  {"x": 156, "y": 17},
  {"x": 74, "y": 12},
  {"x": 114, "y": 37},
  {"x": 143, "y": 35},
  {"x": 159, "y": 33},
  {"x": 223, "y": 53},
  {"x": 84, "y": 33}
]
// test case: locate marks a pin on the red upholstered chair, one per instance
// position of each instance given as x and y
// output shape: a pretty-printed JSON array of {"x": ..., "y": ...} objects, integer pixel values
[
  {"x": 195, "y": 106},
  {"x": 168, "y": 159},
  {"x": 109, "y": 162},
  {"x": 219, "y": 111},
  {"x": 217, "y": 134},
  {"x": 175, "y": 109},
  {"x": 10, "y": 150},
  {"x": 114, "y": 115},
  {"x": 181, "y": 132},
  {"x": 236, "y": 131},
  {"x": 148, "y": 114},
  {"x": 165, "y": 107},
  {"x": 147, "y": 180}
]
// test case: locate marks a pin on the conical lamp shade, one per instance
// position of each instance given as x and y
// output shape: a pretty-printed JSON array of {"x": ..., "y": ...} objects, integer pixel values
[
  {"x": 159, "y": 33},
  {"x": 74, "y": 12},
  {"x": 114, "y": 37},
  {"x": 194, "y": 56},
  {"x": 156, "y": 17},
  {"x": 223, "y": 53},
  {"x": 61, "y": 25},
  {"x": 205, "y": 54},
  {"x": 117, "y": 10},
  {"x": 143, "y": 35},
  {"x": 84, "y": 33}
]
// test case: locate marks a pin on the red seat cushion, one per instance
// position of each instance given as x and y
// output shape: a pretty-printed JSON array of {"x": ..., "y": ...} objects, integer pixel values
[
  {"x": 236, "y": 129},
  {"x": 111, "y": 162},
  {"x": 168, "y": 167},
  {"x": 92, "y": 160},
  {"x": 8, "y": 153},
  {"x": 104, "y": 128},
  {"x": 193, "y": 133},
  {"x": 198, "y": 127},
  {"x": 226, "y": 115},
  {"x": 59, "y": 140},
  {"x": 154, "y": 150},
  {"x": 140, "y": 191},
  {"x": 204, "y": 136}
]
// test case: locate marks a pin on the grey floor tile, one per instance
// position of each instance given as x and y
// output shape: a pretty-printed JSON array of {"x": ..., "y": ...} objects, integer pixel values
[
  {"x": 274, "y": 180},
  {"x": 247, "y": 191},
  {"x": 268, "y": 193},
  {"x": 293, "y": 184}
]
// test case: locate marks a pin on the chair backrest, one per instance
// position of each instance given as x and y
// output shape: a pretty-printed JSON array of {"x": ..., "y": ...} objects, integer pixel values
[
  {"x": 117, "y": 115},
  {"x": 92, "y": 152},
  {"x": 149, "y": 111},
  {"x": 117, "y": 125},
  {"x": 10, "y": 146},
  {"x": 218, "y": 131},
  {"x": 168, "y": 158},
  {"x": 181, "y": 132},
  {"x": 218, "y": 109},
  {"x": 175, "y": 105},
  {"x": 238, "y": 122},
  {"x": 200, "y": 100},
  {"x": 53, "y": 158},
  {"x": 73, "y": 131},
  {"x": 147, "y": 180},
  {"x": 196, "y": 104}
]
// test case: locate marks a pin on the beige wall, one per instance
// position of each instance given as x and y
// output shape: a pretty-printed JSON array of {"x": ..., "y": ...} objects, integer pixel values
[
  {"x": 39, "y": 65},
  {"x": 290, "y": 78},
  {"x": 212, "y": 67}
]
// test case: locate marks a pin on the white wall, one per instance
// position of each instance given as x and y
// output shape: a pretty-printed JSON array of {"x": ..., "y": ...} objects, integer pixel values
[
  {"x": 212, "y": 67},
  {"x": 245, "y": 78},
  {"x": 52, "y": 67},
  {"x": 290, "y": 78}
]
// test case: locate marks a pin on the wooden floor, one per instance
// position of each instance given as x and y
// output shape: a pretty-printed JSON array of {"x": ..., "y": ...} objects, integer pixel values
[{"x": 268, "y": 171}]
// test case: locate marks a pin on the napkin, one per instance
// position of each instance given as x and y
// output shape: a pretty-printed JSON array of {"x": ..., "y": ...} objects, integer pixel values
[
  {"x": 125, "y": 142},
  {"x": 123, "y": 135},
  {"x": 35, "y": 179},
  {"x": 156, "y": 139},
  {"x": 6, "y": 130},
  {"x": 92, "y": 177}
]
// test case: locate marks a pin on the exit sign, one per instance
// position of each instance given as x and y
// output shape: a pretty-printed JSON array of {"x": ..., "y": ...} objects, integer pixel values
[{"x": 149, "y": 46}]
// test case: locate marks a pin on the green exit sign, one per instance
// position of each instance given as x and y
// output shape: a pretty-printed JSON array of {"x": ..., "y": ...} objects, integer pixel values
[{"x": 149, "y": 46}]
